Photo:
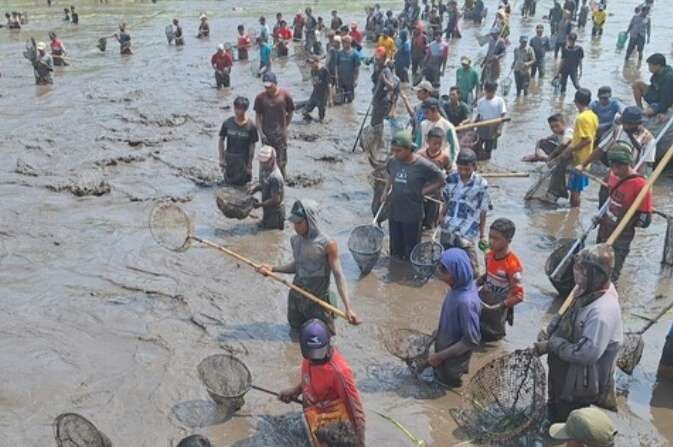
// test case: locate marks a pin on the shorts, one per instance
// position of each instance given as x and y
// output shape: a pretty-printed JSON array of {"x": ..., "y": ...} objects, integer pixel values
[{"x": 577, "y": 182}]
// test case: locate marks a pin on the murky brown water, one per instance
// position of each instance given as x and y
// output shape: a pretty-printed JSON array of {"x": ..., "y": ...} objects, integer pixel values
[{"x": 96, "y": 319}]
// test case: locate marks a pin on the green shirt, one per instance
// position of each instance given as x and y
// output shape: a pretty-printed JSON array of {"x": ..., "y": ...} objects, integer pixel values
[{"x": 467, "y": 80}]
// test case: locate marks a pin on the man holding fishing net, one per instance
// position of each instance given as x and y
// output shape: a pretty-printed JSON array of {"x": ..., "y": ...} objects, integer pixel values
[
  {"x": 583, "y": 345},
  {"x": 316, "y": 259}
]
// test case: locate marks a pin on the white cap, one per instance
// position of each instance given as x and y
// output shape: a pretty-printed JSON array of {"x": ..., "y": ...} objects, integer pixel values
[
  {"x": 265, "y": 153},
  {"x": 337, "y": 38},
  {"x": 41, "y": 46},
  {"x": 220, "y": 47}
]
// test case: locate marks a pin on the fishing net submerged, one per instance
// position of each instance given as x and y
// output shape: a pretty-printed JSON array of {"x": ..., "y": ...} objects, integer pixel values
[
  {"x": 425, "y": 258},
  {"x": 365, "y": 244},
  {"x": 235, "y": 205},
  {"x": 410, "y": 346},
  {"x": 225, "y": 377},
  {"x": 73, "y": 430},
  {"x": 504, "y": 399},
  {"x": 170, "y": 226},
  {"x": 565, "y": 280}
]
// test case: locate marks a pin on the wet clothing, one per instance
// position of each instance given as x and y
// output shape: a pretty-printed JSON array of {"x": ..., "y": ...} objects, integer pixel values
[
  {"x": 459, "y": 319},
  {"x": 571, "y": 58},
  {"x": 583, "y": 16},
  {"x": 502, "y": 284},
  {"x": 240, "y": 142},
  {"x": 406, "y": 202},
  {"x": 496, "y": 51},
  {"x": 42, "y": 67},
  {"x": 273, "y": 218},
  {"x": 244, "y": 43},
  {"x": 583, "y": 351},
  {"x": 403, "y": 60},
  {"x": 540, "y": 46},
  {"x": 522, "y": 57},
  {"x": 659, "y": 95},
  {"x": 419, "y": 45},
  {"x": 222, "y": 63},
  {"x": 124, "y": 43},
  {"x": 458, "y": 113},
  {"x": 438, "y": 52},
  {"x": 389, "y": 44},
  {"x": 383, "y": 97},
  {"x": 274, "y": 111},
  {"x": 325, "y": 384},
  {"x": 586, "y": 127},
  {"x": 467, "y": 80},
  {"x": 57, "y": 52},
  {"x": 488, "y": 109},
  {"x": 665, "y": 369},
  {"x": 622, "y": 195},
  {"x": 336, "y": 23},
  {"x": 313, "y": 274},
  {"x": 449, "y": 138},
  {"x": 204, "y": 30},
  {"x": 321, "y": 83},
  {"x": 347, "y": 66},
  {"x": 606, "y": 114}
]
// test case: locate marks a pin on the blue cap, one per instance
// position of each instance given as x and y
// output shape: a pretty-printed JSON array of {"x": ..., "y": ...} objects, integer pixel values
[{"x": 314, "y": 339}]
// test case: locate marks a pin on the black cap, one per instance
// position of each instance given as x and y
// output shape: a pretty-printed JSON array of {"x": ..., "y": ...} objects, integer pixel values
[
  {"x": 657, "y": 59},
  {"x": 632, "y": 115},
  {"x": 466, "y": 157}
]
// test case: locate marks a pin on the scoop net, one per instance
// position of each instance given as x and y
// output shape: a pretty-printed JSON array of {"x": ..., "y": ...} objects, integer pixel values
[
  {"x": 425, "y": 258},
  {"x": 337, "y": 434},
  {"x": 235, "y": 205},
  {"x": 630, "y": 352},
  {"x": 170, "y": 226},
  {"x": 225, "y": 377},
  {"x": 504, "y": 399},
  {"x": 365, "y": 244},
  {"x": 410, "y": 346},
  {"x": 565, "y": 280},
  {"x": 73, "y": 430}
]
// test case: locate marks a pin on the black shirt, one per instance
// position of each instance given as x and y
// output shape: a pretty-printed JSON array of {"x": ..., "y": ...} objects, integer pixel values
[
  {"x": 571, "y": 58},
  {"x": 320, "y": 78},
  {"x": 239, "y": 138}
]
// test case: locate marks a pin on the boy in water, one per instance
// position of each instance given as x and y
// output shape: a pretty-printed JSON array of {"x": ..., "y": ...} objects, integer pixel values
[
  {"x": 244, "y": 43},
  {"x": 501, "y": 285}
]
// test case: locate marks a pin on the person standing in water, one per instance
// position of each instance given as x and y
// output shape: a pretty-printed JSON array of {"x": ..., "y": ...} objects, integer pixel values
[
  {"x": 221, "y": 63},
  {"x": 244, "y": 43},
  {"x": 272, "y": 187},
  {"x": 43, "y": 65},
  {"x": 241, "y": 136},
  {"x": 204, "y": 28},
  {"x": 315, "y": 260},
  {"x": 124, "y": 39},
  {"x": 57, "y": 50}
]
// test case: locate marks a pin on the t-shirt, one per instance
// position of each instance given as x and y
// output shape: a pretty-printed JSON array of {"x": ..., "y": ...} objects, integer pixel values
[
  {"x": 284, "y": 33},
  {"x": 238, "y": 138},
  {"x": 221, "y": 60},
  {"x": 274, "y": 110},
  {"x": 503, "y": 278},
  {"x": 571, "y": 58},
  {"x": 357, "y": 36},
  {"x": 466, "y": 81},
  {"x": 449, "y": 139},
  {"x": 489, "y": 109},
  {"x": 599, "y": 17},
  {"x": 586, "y": 126},
  {"x": 623, "y": 197},
  {"x": 606, "y": 114},
  {"x": 540, "y": 45},
  {"x": 457, "y": 114},
  {"x": 320, "y": 79},
  {"x": 347, "y": 66},
  {"x": 265, "y": 53},
  {"x": 408, "y": 181}
]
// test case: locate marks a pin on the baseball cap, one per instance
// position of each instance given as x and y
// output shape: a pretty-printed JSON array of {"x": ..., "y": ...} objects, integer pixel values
[
  {"x": 265, "y": 153},
  {"x": 465, "y": 60},
  {"x": 587, "y": 425},
  {"x": 314, "y": 340},
  {"x": 604, "y": 91},
  {"x": 632, "y": 115},
  {"x": 523, "y": 38},
  {"x": 657, "y": 59},
  {"x": 298, "y": 212},
  {"x": 403, "y": 139},
  {"x": 269, "y": 79},
  {"x": 424, "y": 85}
]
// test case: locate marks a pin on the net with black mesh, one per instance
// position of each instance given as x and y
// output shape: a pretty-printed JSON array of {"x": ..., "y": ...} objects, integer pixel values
[
  {"x": 410, "y": 346},
  {"x": 170, "y": 226},
  {"x": 504, "y": 400},
  {"x": 235, "y": 204},
  {"x": 337, "y": 434},
  {"x": 425, "y": 258},
  {"x": 73, "y": 430},
  {"x": 630, "y": 352},
  {"x": 365, "y": 244},
  {"x": 225, "y": 377},
  {"x": 564, "y": 280}
]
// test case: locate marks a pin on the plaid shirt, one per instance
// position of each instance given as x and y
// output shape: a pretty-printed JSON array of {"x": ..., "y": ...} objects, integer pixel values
[{"x": 464, "y": 204}]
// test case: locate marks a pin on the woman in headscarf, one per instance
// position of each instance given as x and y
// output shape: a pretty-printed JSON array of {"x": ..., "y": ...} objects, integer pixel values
[
  {"x": 583, "y": 344},
  {"x": 458, "y": 333}
]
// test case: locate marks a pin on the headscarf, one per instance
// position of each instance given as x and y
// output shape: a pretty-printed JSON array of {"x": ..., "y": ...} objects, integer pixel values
[{"x": 456, "y": 262}]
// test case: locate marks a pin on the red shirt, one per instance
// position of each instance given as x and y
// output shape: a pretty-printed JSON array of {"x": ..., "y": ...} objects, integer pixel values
[
  {"x": 56, "y": 45},
  {"x": 357, "y": 36},
  {"x": 221, "y": 60},
  {"x": 244, "y": 41},
  {"x": 330, "y": 382},
  {"x": 284, "y": 33},
  {"x": 503, "y": 278},
  {"x": 625, "y": 194}
]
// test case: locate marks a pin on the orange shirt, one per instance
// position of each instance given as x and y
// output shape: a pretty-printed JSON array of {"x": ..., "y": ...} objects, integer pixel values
[{"x": 503, "y": 278}]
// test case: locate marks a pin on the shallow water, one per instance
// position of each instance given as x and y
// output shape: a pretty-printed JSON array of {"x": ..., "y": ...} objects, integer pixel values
[{"x": 96, "y": 319}]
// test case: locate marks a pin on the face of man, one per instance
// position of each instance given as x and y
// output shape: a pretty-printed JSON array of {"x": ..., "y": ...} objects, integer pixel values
[
  {"x": 489, "y": 94},
  {"x": 454, "y": 96},
  {"x": 604, "y": 100},
  {"x": 497, "y": 241},
  {"x": 630, "y": 128},
  {"x": 401, "y": 153},
  {"x": 522, "y": 44},
  {"x": 301, "y": 227},
  {"x": 433, "y": 114},
  {"x": 654, "y": 69},
  {"x": 465, "y": 171},
  {"x": 267, "y": 165},
  {"x": 422, "y": 95},
  {"x": 239, "y": 112},
  {"x": 620, "y": 170},
  {"x": 434, "y": 146},
  {"x": 271, "y": 89},
  {"x": 539, "y": 31}
]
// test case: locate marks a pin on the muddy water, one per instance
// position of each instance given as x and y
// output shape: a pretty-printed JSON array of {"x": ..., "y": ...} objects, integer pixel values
[{"x": 95, "y": 318}]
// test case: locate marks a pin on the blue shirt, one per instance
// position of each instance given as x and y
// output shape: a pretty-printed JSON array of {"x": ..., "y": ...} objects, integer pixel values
[
  {"x": 670, "y": 333},
  {"x": 265, "y": 54},
  {"x": 606, "y": 114},
  {"x": 403, "y": 55}
]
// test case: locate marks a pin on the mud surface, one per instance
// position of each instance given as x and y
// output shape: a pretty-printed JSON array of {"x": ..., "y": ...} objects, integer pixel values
[{"x": 97, "y": 319}]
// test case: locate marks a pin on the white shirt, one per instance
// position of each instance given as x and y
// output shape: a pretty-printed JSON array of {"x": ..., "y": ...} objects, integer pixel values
[{"x": 489, "y": 109}]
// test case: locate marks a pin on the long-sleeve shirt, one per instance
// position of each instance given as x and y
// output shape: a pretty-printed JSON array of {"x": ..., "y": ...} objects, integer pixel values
[{"x": 640, "y": 26}]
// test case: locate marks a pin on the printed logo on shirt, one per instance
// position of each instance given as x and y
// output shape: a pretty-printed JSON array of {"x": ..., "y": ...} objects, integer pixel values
[{"x": 401, "y": 176}]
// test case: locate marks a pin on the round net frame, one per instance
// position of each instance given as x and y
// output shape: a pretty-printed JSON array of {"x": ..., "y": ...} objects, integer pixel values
[
  {"x": 425, "y": 258},
  {"x": 538, "y": 191},
  {"x": 565, "y": 283},
  {"x": 410, "y": 346},
  {"x": 630, "y": 352},
  {"x": 234, "y": 205},
  {"x": 505, "y": 399},
  {"x": 365, "y": 243},
  {"x": 73, "y": 430},
  {"x": 225, "y": 377},
  {"x": 171, "y": 226}
]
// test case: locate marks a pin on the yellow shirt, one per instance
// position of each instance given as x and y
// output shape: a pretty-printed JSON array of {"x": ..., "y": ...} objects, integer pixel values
[
  {"x": 586, "y": 126},
  {"x": 600, "y": 17},
  {"x": 389, "y": 44}
]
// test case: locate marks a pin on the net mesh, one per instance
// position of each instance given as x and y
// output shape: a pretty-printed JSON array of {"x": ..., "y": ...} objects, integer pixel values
[
  {"x": 337, "y": 434},
  {"x": 170, "y": 226},
  {"x": 410, "y": 346},
  {"x": 631, "y": 352},
  {"x": 504, "y": 399},
  {"x": 225, "y": 377},
  {"x": 425, "y": 258},
  {"x": 539, "y": 189},
  {"x": 365, "y": 244},
  {"x": 73, "y": 430},
  {"x": 565, "y": 280},
  {"x": 235, "y": 205}
]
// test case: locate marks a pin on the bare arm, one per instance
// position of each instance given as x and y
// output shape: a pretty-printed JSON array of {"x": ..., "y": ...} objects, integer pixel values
[
  {"x": 332, "y": 251},
  {"x": 482, "y": 225},
  {"x": 259, "y": 122}
]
